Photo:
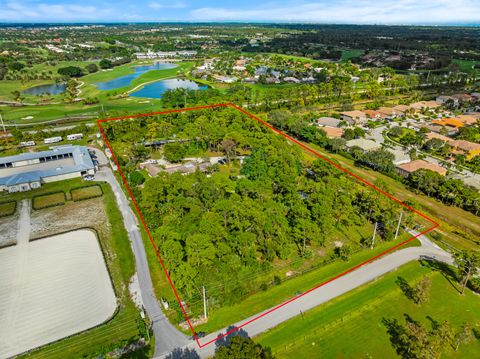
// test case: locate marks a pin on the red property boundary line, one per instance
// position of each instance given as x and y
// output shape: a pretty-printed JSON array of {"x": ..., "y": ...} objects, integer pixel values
[{"x": 300, "y": 144}]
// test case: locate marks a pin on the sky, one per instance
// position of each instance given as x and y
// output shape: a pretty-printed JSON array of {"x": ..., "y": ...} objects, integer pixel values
[{"x": 320, "y": 11}]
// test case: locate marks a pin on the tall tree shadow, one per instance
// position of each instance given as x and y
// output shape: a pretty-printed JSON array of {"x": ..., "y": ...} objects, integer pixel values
[
  {"x": 183, "y": 353},
  {"x": 445, "y": 270},
  {"x": 225, "y": 341},
  {"x": 405, "y": 287}
]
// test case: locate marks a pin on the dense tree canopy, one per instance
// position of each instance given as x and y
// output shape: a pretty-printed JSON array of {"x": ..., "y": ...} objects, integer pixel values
[{"x": 220, "y": 226}]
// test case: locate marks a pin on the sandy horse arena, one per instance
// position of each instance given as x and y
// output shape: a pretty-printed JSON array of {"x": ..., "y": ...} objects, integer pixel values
[{"x": 51, "y": 288}]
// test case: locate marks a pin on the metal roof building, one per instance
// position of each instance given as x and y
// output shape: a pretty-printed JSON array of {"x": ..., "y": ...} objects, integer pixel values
[{"x": 29, "y": 170}]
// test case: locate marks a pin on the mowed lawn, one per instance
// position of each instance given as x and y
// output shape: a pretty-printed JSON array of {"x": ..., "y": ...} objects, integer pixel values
[
  {"x": 351, "y": 325},
  {"x": 263, "y": 300}
]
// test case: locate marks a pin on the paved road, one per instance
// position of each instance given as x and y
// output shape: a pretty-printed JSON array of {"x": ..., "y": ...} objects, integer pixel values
[
  {"x": 167, "y": 337},
  {"x": 331, "y": 290}
]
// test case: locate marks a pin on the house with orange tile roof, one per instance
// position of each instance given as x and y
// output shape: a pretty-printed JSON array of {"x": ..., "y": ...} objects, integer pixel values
[
  {"x": 467, "y": 120},
  {"x": 391, "y": 112},
  {"x": 451, "y": 122},
  {"x": 401, "y": 108},
  {"x": 463, "y": 97},
  {"x": 432, "y": 135},
  {"x": 470, "y": 149},
  {"x": 332, "y": 132},
  {"x": 406, "y": 169},
  {"x": 374, "y": 115},
  {"x": 354, "y": 117},
  {"x": 422, "y": 105}
]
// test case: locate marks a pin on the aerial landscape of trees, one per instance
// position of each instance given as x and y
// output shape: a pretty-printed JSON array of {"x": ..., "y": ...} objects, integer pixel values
[{"x": 235, "y": 220}]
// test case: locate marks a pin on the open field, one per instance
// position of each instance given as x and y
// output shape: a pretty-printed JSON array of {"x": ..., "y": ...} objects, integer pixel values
[
  {"x": 350, "y": 53},
  {"x": 356, "y": 318},
  {"x": 263, "y": 300},
  {"x": 52, "y": 288}
]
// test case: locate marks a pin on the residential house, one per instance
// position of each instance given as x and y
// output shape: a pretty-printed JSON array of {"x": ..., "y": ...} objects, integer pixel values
[
  {"x": 365, "y": 145},
  {"x": 390, "y": 112},
  {"x": 443, "y": 99},
  {"x": 332, "y": 132},
  {"x": 374, "y": 115},
  {"x": 463, "y": 97},
  {"x": 467, "y": 120},
  {"x": 470, "y": 149},
  {"x": 432, "y": 135},
  {"x": 328, "y": 121},
  {"x": 401, "y": 108},
  {"x": 291, "y": 79},
  {"x": 354, "y": 117},
  {"x": 453, "y": 123},
  {"x": 424, "y": 105},
  {"x": 406, "y": 169}
]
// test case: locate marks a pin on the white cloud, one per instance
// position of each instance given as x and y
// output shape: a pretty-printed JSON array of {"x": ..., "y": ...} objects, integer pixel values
[
  {"x": 351, "y": 11},
  {"x": 17, "y": 11},
  {"x": 163, "y": 5}
]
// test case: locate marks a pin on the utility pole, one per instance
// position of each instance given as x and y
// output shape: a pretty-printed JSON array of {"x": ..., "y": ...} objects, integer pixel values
[
  {"x": 204, "y": 304},
  {"x": 374, "y": 233},
  {"x": 398, "y": 225}
]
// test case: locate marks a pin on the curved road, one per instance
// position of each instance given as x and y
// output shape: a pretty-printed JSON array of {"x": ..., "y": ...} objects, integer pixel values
[{"x": 342, "y": 285}]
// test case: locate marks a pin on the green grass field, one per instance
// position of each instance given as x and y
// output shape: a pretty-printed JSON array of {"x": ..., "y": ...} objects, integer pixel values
[
  {"x": 351, "y": 326},
  {"x": 7, "y": 208},
  {"x": 49, "y": 200},
  {"x": 263, "y": 300},
  {"x": 467, "y": 65},
  {"x": 114, "y": 105},
  {"x": 82, "y": 193},
  {"x": 350, "y": 54}
]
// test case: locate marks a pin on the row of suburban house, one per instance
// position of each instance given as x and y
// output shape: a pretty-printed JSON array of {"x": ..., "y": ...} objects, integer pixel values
[{"x": 358, "y": 117}]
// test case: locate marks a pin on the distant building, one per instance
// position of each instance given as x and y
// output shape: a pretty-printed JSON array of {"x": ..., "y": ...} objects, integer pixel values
[
  {"x": 164, "y": 54},
  {"x": 374, "y": 115},
  {"x": 406, "y": 169},
  {"x": 365, "y": 145},
  {"x": 75, "y": 136},
  {"x": 328, "y": 121},
  {"x": 470, "y": 149},
  {"x": 390, "y": 112},
  {"x": 401, "y": 108},
  {"x": 52, "y": 140},
  {"x": 354, "y": 117},
  {"x": 332, "y": 132},
  {"x": 443, "y": 99},
  {"x": 29, "y": 170},
  {"x": 449, "y": 122},
  {"x": 467, "y": 120},
  {"x": 463, "y": 97},
  {"x": 424, "y": 105}
]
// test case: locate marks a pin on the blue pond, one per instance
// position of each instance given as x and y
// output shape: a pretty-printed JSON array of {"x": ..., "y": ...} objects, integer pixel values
[
  {"x": 156, "y": 89},
  {"x": 123, "y": 81},
  {"x": 53, "y": 89}
]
